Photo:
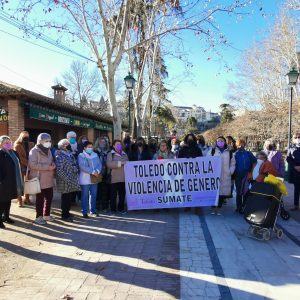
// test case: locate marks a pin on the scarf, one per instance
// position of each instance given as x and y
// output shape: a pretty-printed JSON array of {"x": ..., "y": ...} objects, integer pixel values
[
  {"x": 163, "y": 155},
  {"x": 44, "y": 149}
]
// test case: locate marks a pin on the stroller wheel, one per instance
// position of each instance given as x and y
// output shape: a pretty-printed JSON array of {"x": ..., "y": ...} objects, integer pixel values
[
  {"x": 285, "y": 215},
  {"x": 266, "y": 235},
  {"x": 279, "y": 233},
  {"x": 254, "y": 230}
]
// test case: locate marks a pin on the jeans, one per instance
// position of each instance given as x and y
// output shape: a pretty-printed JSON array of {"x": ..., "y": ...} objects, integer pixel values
[
  {"x": 43, "y": 202},
  {"x": 88, "y": 198}
]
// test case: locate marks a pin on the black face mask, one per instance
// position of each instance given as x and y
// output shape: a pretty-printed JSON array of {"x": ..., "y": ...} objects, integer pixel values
[
  {"x": 270, "y": 148},
  {"x": 26, "y": 139},
  {"x": 190, "y": 142},
  {"x": 140, "y": 144}
]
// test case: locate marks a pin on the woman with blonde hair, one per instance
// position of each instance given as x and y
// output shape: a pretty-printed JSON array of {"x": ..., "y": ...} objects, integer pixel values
[{"x": 22, "y": 146}]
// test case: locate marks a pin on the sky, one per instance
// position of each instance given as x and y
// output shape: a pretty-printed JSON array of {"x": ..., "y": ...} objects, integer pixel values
[{"x": 35, "y": 68}]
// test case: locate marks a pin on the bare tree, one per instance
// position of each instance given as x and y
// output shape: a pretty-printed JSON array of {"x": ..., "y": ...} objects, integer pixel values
[
  {"x": 103, "y": 26},
  {"x": 83, "y": 85}
]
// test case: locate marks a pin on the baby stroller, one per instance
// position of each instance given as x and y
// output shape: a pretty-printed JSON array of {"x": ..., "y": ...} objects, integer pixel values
[{"x": 264, "y": 204}]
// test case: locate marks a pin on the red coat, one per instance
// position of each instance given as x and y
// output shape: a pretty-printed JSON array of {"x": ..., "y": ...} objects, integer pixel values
[{"x": 266, "y": 168}]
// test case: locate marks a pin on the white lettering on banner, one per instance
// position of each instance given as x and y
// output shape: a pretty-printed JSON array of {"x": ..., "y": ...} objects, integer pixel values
[{"x": 173, "y": 183}]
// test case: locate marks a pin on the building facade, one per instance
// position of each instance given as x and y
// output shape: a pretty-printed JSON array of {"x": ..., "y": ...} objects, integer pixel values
[{"x": 21, "y": 109}]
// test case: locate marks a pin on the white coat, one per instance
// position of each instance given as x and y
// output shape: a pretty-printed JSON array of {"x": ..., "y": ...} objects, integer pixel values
[{"x": 228, "y": 168}]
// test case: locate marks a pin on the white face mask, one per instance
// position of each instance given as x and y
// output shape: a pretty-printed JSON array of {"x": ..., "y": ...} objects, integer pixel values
[
  {"x": 260, "y": 161},
  {"x": 297, "y": 141},
  {"x": 47, "y": 145}
]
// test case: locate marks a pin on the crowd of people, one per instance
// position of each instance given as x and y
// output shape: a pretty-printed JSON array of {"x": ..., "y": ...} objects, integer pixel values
[{"x": 94, "y": 173}]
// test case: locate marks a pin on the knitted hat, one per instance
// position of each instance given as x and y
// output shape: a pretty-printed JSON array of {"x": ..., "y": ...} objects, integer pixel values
[
  {"x": 42, "y": 137},
  {"x": 71, "y": 134}
]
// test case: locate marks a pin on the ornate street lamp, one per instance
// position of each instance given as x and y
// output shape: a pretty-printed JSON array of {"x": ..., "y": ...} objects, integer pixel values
[
  {"x": 292, "y": 78},
  {"x": 130, "y": 83}
]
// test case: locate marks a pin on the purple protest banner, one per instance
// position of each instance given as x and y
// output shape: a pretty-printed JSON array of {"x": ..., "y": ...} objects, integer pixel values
[{"x": 190, "y": 182}]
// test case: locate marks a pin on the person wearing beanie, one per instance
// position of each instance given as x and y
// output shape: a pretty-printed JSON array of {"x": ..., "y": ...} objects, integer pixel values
[
  {"x": 41, "y": 165},
  {"x": 67, "y": 178},
  {"x": 11, "y": 182},
  {"x": 71, "y": 137},
  {"x": 89, "y": 164}
]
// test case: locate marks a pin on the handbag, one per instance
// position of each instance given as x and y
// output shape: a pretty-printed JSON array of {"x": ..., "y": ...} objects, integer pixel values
[
  {"x": 96, "y": 179},
  {"x": 32, "y": 186}
]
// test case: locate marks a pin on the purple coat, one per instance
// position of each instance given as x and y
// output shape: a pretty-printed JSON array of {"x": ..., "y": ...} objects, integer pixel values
[{"x": 275, "y": 157}]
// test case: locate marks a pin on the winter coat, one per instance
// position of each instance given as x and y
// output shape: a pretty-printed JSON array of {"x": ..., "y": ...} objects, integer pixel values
[
  {"x": 158, "y": 156},
  {"x": 38, "y": 163},
  {"x": 266, "y": 168},
  {"x": 8, "y": 179},
  {"x": 134, "y": 154},
  {"x": 293, "y": 160},
  {"x": 67, "y": 178},
  {"x": 205, "y": 149},
  {"x": 190, "y": 152},
  {"x": 228, "y": 168},
  {"x": 20, "y": 149},
  {"x": 244, "y": 162},
  {"x": 115, "y": 162},
  {"x": 276, "y": 158},
  {"x": 88, "y": 164}
]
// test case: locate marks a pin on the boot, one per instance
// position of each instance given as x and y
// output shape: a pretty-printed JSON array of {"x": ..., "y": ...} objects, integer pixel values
[
  {"x": 20, "y": 201},
  {"x": 27, "y": 200}
]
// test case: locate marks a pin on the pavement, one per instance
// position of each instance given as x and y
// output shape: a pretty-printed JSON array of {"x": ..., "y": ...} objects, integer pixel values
[{"x": 147, "y": 255}]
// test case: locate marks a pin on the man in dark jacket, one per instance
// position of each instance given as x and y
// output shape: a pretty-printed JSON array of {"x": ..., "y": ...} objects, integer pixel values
[
  {"x": 293, "y": 160},
  {"x": 190, "y": 149}
]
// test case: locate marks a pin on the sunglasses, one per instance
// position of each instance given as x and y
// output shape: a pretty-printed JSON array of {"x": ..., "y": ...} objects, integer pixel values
[{"x": 296, "y": 137}]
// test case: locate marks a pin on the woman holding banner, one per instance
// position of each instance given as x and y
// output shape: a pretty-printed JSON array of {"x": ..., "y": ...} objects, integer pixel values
[
  {"x": 116, "y": 159},
  {"x": 163, "y": 152},
  {"x": 228, "y": 168},
  {"x": 190, "y": 150}
]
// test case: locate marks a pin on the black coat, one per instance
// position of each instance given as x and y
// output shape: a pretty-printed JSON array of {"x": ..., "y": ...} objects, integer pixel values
[
  {"x": 190, "y": 152},
  {"x": 293, "y": 160},
  {"x": 134, "y": 154},
  {"x": 8, "y": 180}
]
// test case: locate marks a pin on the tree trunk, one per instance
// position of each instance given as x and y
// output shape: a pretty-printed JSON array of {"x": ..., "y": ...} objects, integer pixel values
[{"x": 115, "y": 111}]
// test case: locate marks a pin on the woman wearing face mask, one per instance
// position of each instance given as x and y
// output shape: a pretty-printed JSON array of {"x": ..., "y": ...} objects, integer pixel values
[
  {"x": 41, "y": 165},
  {"x": 275, "y": 157},
  {"x": 202, "y": 145},
  {"x": 228, "y": 168},
  {"x": 103, "y": 194},
  {"x": 89, "y": 164},
  {"x": 116, "y": 160},
  {"x": 266, "y": 167},
  {"x": 139, "y": 151},
  {"x": 190, "y": 148},
  {"x": 293, "y": 160},
  {"x": 22, "y": 146},
  {"x": 67, "y": 178},
  {"x": 11, "y": 182},
  {"x": 80, "y": 146},
  {"x": 245, "y": 163}
]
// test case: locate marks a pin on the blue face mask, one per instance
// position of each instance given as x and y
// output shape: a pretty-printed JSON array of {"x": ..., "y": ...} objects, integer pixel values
[
  {"x": 89, "y": 150},
  {"x": 72, "y": 140}
]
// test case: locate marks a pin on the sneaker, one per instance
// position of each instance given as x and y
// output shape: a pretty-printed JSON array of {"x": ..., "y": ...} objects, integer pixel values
[
  {"x": 9, "y": 221},
  {"x": 69, "y": 219},
  {"x": 49, "y": 218},
  {"x": 122, "y": 212},
  {"x": 2, "y": 225},
  {"x": 95, "y": 215},
  {"x": 40, "y": 221},
  {"x": 85, "y": 216}
]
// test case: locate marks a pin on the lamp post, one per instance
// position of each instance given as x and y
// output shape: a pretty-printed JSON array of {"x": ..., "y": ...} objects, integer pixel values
[
  {"x": 130, "y": 83},
  {"x": 292, "y": 78}
]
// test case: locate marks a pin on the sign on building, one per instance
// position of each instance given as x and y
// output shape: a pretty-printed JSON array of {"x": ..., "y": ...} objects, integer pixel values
[{"x": 3, "y": 115}]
